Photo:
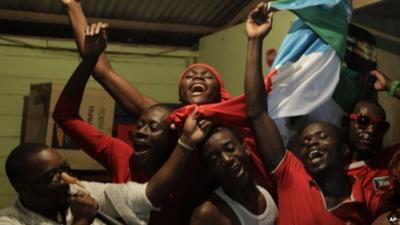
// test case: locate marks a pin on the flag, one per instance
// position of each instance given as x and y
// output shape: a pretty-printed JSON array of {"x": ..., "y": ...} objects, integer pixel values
[{"x": 307, "y": 68}]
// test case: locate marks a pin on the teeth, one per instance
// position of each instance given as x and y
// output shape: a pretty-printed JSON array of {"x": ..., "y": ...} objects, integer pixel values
[
  {"x": 315, "y": 154},
  {"x": 198, "y": 88}
]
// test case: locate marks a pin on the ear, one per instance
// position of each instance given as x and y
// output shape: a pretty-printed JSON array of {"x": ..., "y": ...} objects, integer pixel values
[
  {"x": 346, "y": 151},
  {"x": 345, "y": 123}
]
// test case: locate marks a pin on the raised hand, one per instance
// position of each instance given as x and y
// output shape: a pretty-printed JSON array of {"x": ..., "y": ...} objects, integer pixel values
[
  {"x": 195, "y": 129},
  {"x": 259, "y": 21},
  {"x": 382, "y": 82},
  {"x": 83, "y": 208},
  {"x": 95, "y": 39}
]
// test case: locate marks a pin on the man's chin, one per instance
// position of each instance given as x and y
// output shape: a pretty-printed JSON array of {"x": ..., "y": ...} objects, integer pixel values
[
  {"x": 365, "y": 151},
  {"x": 199, "y": 100},
  {"x": 316, "y": 170}
]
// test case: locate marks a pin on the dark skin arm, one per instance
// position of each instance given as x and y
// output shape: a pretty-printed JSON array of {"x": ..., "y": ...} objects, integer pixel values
[
  {"x": 383, "y": 83},
  {"x": 95, "y": 43},
  {"x": 268, "y": 138},
  {"x": 167, "y": 178},
  {"x": 130, "y": 98},
  {"x": 83, "y": 206}
]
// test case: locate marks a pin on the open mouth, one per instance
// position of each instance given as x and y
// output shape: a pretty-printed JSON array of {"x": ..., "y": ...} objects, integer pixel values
[
  {"x": 197, "y": 89},
  {"x": 316, "y": 155},
  {"x": 141, "y": 148}
]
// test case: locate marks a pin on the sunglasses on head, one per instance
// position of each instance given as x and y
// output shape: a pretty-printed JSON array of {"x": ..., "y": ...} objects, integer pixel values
[{"x": 364, "y": 120}]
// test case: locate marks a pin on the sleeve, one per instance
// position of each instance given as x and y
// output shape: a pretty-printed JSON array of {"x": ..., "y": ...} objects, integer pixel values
[
  {"x": 288, "y": 170},
  {"x": 127, "y": 201},
  {"x": 106, "y": 150},
  {"x": 9, "y": 216},
  {"x": 8, "y": 221}
]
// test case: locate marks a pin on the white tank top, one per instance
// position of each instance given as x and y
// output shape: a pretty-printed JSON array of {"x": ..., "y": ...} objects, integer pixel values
[{"x": 268, "y": 217}]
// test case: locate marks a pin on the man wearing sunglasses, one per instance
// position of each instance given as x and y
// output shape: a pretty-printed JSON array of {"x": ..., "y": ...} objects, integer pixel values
[
  {"x": 366, "y": 127},
  {"x": 38, "y": 174}
]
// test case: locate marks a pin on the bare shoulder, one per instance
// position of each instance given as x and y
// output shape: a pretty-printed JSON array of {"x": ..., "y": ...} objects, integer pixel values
[
  {"x": 206, "y": 213},
  {"x": 213, "y": 211}
]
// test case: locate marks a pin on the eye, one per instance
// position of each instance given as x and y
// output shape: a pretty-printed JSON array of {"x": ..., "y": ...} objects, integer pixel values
[
  {"x": 305, "y": 141},
  {"x": 229, "y": 147},
  {"x": 208, "y": 76},
  {"x": 139, "y": 124},
  {"x": 322, "y": 135},
  {"x": 189, "y": 75}
]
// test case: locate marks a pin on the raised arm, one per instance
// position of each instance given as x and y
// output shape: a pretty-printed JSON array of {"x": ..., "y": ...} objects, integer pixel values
[
  {"x": 95, "y": 42},
  {"x": 268, "y": 139},
  {"x": 167, "y": 178},
  {"x": 120, "y": 89}
]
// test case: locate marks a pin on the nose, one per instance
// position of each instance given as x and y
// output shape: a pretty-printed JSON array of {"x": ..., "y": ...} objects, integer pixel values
[
  {"x": 142, "y": 132},
  {"x": 198, "y": 76},
  {"x": 368, "y": 130},
  {"x": 313, "y": 141}
]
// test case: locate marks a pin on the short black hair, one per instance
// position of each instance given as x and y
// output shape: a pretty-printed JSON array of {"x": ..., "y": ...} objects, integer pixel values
[
  {"x": 341, "y": 136},
  {"x": 214, "y": 131},
  {"x": 16, "y": 160}
]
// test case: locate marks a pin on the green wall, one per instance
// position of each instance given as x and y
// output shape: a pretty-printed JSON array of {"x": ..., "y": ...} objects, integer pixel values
[
  {"x": 25, "y": 61},
  {"x": 227, "y": 49}
]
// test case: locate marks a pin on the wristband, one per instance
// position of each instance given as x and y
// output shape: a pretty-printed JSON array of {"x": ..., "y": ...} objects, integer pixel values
[
  {"x": 393, "y": 86},
  {"x": 185, "y": 146}
]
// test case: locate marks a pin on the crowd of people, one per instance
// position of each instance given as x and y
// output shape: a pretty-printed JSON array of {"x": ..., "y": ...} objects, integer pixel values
[{"x": 199, "y": 165}]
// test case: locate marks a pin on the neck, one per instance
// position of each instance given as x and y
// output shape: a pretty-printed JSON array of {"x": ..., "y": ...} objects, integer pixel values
[
  {"x": 248, "y": 196},
  {"x": 334, "y": 183},
  {"x": 356, "y": 156}
]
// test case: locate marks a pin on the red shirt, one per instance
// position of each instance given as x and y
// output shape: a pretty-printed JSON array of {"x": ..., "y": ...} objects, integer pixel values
[
  {"x": 301, "y": 202},
  {"x": 117, "y": 156},
  {"x": 374, "y": 176}
]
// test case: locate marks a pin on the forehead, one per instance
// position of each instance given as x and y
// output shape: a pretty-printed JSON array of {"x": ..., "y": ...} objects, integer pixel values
[
  {"x": 368, "y": 108},
  {"x": 155, "y": 113},
  {"x": 317, "y": 128},
  {"x": 198, "y": 69},
  {"x": 44, "y": 160},
  {"x": 218, "y": 139}
]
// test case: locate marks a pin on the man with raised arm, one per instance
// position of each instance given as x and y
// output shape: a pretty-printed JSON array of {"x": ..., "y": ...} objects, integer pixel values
[
  {"x": 314, "y": 190},
  {"x": 153, "y": 142}
]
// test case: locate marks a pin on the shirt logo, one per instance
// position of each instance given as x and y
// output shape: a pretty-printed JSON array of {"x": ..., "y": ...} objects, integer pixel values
[{"x": 381, "y": 184}]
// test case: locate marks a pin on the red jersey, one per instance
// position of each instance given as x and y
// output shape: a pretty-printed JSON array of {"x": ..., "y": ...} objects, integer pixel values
[
  {"x": 302, "y": 203},
  {"x": 374, "y": 175},
  {"x": 117, "y": 157}
]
